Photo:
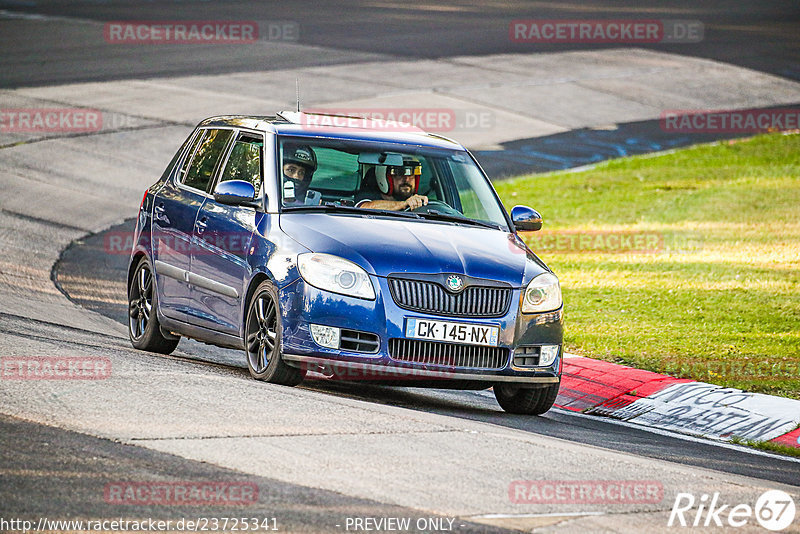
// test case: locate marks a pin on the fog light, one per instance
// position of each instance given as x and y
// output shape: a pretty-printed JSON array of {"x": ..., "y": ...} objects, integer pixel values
[
  {"x": 548, "y": 355},
  {"x": 325, "y": 336}
]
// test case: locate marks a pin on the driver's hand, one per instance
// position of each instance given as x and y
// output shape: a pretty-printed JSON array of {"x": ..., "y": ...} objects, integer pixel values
[{"x": 416, "y": 201}]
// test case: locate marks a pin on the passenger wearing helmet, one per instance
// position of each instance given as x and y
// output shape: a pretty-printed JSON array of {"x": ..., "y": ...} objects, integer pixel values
[
  {"x": 299, "y": 164},
  {"x": 397, "y": 187}
]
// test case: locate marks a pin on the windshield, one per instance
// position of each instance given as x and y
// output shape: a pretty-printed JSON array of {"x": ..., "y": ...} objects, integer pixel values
[{"x": 384, "y": 177}]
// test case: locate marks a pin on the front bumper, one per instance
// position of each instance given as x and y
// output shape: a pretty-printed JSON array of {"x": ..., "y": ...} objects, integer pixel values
[{"x": 303, "y": 305}]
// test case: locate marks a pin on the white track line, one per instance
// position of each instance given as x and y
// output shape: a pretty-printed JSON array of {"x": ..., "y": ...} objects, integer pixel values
[
  {"x": 514, "y": 516},
  {"x": 662, "y": 432},
  {"x": 678, "y": 435}
]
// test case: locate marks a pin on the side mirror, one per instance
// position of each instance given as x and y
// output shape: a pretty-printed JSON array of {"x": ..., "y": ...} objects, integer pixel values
[
  {"x": 236, "y": 193},
  {"x": 526, "y": 219}
]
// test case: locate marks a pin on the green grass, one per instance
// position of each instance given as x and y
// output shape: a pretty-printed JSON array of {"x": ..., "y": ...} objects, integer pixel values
[
  {"x": 767, "y": 446},
  {"x": 717, "y": 299}
]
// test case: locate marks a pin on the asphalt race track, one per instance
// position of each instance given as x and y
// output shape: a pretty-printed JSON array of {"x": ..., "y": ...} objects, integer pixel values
[
  {"x": 109, "y": 270},
  {"x": 758, "y": 35},
  {"x": 326, "y": 452}
]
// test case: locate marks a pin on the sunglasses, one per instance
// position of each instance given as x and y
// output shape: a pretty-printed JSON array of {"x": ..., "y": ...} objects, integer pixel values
[{"x": 404, "y": 171}]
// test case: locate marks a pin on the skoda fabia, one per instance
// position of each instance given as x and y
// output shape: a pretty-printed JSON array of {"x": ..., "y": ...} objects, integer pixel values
[{"x": 345, "y": 248}]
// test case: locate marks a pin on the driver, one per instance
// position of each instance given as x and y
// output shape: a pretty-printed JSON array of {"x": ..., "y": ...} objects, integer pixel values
[
  {"x": 299, "y": 164},
  {"x": 397, "y": 187}
]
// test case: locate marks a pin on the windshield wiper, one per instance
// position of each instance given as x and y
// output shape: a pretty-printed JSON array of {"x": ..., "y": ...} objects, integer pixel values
[
  {"x": 353, "y": 209},
  {"x": 439, "y": 216}
]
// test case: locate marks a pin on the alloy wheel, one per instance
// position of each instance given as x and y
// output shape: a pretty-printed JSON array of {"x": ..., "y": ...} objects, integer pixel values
[
  {"x": 262, "y": 332},
  {"x": 140, "y": 304}
]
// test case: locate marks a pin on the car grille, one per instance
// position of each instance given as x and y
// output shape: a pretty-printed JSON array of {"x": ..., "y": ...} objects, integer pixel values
[
  {"x": 474, "y": 301},
  {"x": 448, "y": 354}
]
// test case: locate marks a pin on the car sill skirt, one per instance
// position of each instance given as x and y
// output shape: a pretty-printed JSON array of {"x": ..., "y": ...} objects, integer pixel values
[{"x": 404, "y": 372}]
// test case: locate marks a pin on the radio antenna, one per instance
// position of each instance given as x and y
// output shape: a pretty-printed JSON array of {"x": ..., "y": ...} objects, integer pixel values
[{"x": 297, "y": 87}]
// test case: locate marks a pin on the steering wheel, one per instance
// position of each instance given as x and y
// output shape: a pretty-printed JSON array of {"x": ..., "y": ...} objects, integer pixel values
[
  {"x": 423, "y": 209},
  {"x": 438, "y": 205}
]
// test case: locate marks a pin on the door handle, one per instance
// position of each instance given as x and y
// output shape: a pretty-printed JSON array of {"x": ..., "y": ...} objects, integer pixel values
[
  {"x": 201, "y": 225},
  {"x": 160, "y": 214}
]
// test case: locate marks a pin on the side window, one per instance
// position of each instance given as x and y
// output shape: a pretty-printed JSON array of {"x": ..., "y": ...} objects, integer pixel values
[
  {"x": 336, "y": 171},
  {"x": 188, "y": 160},
  {"x": 205, "y": 159},
  {"x": 476, "y": 200},
  {"x": 244, "y": 163}
]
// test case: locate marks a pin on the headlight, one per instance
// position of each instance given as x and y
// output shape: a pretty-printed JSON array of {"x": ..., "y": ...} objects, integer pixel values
[
  {"x": 335, "y": 274},
  {"x": 543, "y": 294}
]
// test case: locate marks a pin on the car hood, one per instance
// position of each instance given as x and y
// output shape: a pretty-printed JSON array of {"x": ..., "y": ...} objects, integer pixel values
[{"x": 386, "y": 245}]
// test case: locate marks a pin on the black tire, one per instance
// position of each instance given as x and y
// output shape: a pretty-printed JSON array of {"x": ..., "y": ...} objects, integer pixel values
[
  {"x": 143, "y": 327},
  {"x": 262, "y": 333},
  {"x": 526, "y": 401}
]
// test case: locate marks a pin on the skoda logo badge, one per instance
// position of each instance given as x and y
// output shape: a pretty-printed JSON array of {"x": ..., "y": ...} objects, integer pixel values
[{"x": 454, "y": 283}]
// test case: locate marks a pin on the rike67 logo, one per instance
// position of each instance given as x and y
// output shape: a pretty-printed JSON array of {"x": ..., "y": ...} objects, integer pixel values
[{"x": 774, "y": 510}]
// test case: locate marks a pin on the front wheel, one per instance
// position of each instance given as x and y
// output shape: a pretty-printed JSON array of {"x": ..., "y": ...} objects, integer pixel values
[
  {"x": 143, "y": 327},
  {"x": 526, "y": 401},
  {"x": 263, "y": 339}
]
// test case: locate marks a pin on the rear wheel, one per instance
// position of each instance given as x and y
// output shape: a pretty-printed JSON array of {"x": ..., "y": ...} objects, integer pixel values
[
  {"x": 143, "y": 327},
  {"x": 263, "y": 339},
  {"x": 527, "y": 401}
]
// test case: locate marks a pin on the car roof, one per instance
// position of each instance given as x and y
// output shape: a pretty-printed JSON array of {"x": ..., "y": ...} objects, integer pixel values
[{"x": 317, "y": 125}]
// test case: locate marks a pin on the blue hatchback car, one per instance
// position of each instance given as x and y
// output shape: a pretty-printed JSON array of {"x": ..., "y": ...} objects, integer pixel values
[{"x": 346, "y": 248}]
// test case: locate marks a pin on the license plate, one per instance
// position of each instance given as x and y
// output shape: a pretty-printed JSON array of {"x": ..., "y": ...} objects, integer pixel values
[{"x": 469, "y": 334}]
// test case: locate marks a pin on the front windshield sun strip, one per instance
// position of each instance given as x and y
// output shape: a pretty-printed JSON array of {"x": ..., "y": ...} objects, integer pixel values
[
  {"x": 353, "y": 209},
  {"x": 405, "y": 214}
]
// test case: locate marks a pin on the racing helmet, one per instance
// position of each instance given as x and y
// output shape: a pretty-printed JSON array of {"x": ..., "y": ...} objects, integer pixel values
[
  {"x": 301, "y": 155},
  {"x": 383, "y": 174}
]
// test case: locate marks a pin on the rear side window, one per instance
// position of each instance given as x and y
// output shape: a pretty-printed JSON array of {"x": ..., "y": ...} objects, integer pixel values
[
  {"x": 209, "y": 149},
  {"x": 336, "y": 170},
  {"x": 244, "y": 163},
  {"x": 195, "y": 141}
]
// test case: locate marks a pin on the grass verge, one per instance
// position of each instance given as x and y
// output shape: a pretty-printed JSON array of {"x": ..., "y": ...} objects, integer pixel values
[
  {"x": 685, "y": 263},
  {"x": 768, "y": 446}
]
